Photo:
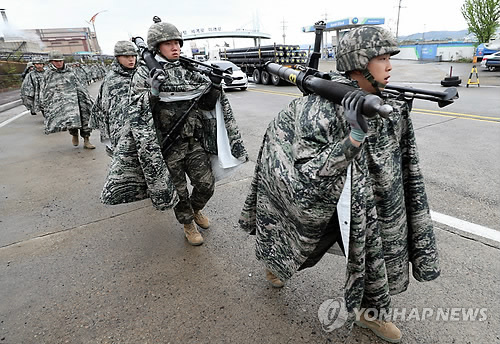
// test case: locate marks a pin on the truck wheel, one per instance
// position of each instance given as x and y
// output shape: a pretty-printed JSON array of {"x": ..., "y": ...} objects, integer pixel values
[
  {"x": 265, "y": 77},
  {"x": 491, "y": 68},
  {"x": 256, "y": 76},
  {"x": 275, "y": 80}
]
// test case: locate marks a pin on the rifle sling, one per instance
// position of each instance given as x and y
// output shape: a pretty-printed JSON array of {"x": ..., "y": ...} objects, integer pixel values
[{"x": 174, "y": 132}]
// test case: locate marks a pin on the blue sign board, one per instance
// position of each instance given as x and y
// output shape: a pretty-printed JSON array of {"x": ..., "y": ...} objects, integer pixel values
[
  {"x": 427, "y": 51},
  {"x": 373, "y": 21},
  {"x": 337, "y": 23},
  {"x": 347, "y": 23}
]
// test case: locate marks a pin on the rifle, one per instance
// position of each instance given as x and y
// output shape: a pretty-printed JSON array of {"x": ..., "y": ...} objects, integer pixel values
[
  {"x": 147, "y": 56},
  {"x": 208, "y": 69},
  {"x": 154, "y": 65},
  {"x": 191, "y": 64}
]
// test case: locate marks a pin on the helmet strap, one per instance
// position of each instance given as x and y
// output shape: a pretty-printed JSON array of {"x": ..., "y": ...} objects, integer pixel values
[{"x": 377, "y": 85}]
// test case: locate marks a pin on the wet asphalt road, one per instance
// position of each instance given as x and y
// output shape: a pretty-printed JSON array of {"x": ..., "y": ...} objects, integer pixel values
[{"x": 75, "y": 271}]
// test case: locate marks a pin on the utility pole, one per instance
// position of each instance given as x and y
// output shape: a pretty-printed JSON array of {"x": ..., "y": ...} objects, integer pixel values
[
  {"x": 283, "y": 27},
  {"x": 397, "y": 23}
]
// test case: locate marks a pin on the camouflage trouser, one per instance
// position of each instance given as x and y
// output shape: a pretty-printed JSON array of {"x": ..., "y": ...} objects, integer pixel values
[
  {"x": 85, "y": 131},
  {"x": 188, "y": 157},
  {"x": 329, "y": 236}
]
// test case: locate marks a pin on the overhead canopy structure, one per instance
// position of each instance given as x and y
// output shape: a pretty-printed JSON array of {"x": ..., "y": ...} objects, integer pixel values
[{"x": 257, "y": 36}]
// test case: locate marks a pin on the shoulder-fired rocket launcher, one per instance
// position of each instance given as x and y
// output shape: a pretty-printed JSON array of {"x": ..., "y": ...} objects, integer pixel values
[{"x": 310, "y": 80}]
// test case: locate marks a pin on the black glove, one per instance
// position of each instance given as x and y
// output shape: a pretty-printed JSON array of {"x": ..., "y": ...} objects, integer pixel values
[
  {"x": 353, "y": 110},
  {"x": 157, "y": 77},
  {"x": 216, "y": 77}
]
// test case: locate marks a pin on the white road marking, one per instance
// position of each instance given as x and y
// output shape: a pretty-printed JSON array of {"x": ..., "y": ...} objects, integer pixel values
[
  {"x": 465, "y": 226},
  {"x": 4, "y": 123}
]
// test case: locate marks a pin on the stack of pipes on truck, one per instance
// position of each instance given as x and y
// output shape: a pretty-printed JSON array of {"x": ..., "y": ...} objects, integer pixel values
[{"x": 252, "y": 60}]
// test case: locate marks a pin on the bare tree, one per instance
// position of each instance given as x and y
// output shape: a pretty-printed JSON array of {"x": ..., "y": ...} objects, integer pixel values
[{"x": 482, "y": 17}]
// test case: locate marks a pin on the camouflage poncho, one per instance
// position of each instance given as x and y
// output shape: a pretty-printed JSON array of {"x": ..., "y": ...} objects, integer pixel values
[
  {"x": 111, "y": 103},
  {"x": 66, "y": 103},
  {"x": 80, "y": 74},
  {"x": 299, "y": 176},
  {"x": 138, "y": 168},
  {"x": 30, "y": 90}
]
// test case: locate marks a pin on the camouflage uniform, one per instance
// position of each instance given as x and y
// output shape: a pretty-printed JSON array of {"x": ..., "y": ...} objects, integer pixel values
[
  {"x": 29, "y": 67},
  {"x": 30, "y": 91},
  {"x": 138, "y": 169},
  {"x": 197, "y": 138},
  {"x": 80, "y": 73},
  {"x": 111, "y": 103},
  {"x": 300, "y": 173},
  {"x": 66, "y": 103}
]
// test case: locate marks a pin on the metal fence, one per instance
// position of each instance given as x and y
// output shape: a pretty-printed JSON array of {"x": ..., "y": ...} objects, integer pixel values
[{"x": 28, "y": 57}]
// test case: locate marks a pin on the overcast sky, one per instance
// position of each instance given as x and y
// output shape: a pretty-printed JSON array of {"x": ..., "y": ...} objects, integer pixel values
[{"x": 122, "y": 19}]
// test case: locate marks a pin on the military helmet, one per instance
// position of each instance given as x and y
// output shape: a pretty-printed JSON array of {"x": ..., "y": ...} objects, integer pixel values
[
  {"x": 125, "y": 48},
  {"x": 55, "y": 55},
  {"x": 360, "y": 45},
  {"x": 38, "y": 59},
  {"x": 161, "y": 32}
]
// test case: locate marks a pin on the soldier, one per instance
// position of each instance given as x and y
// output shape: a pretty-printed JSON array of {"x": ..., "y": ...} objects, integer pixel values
[
  {"x": 174, "y": 128},
  {"x": 80, "y": 73},
  {"x": 111, "y": 103},
  {"x": 66, "y": 103},
  {"x": 323, "y": 167},
  {"x": 29, "y": 68},
  {"x": 30, "y": 89}
]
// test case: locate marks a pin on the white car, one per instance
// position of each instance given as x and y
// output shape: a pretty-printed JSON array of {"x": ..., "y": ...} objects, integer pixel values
[
  {"x": 486, "y": 57},
  {"x": 240, "y": 79}
]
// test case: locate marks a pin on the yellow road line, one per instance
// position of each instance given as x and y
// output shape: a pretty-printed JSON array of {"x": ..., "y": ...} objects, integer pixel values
[
  {"x": 457, "y": 115},
  {"x": 296, "y": 95}
]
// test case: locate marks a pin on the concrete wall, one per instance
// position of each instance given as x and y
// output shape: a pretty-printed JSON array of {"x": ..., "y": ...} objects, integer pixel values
[{"x": 436, "y": 52}]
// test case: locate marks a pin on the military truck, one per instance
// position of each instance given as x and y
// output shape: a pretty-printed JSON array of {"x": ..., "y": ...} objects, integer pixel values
[{"x": 252, "y": 60}]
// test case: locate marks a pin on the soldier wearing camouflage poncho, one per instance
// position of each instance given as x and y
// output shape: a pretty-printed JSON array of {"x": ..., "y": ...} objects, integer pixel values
[
  {"x": 32, "y": 84},
  {"x": 154, "y": 109},
  {"x": 66, "y": 103},
  {"x": 110, "y": 106},
  {"x": 314, "y": 152}
]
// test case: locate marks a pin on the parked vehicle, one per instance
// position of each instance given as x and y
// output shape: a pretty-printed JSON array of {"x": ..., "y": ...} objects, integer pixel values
[
  {"x": 493, "y": 63},
  {"x": 486, "y": 57},
  {"x": 482, "y": 50},
  {"x": 240, "y": 79},
  {"x": 252, "y": 60}
]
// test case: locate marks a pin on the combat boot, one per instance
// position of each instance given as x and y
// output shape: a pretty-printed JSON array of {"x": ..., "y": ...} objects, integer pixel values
[
  {"x": 87, "y": 144},
  {"x": 382, "y": 329},
  {"x": 201, "y": 220},
  {"x": 275, "y": 281},
  {"x": 74, "y": 140},
  {"x": 192, "y": 235}
]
